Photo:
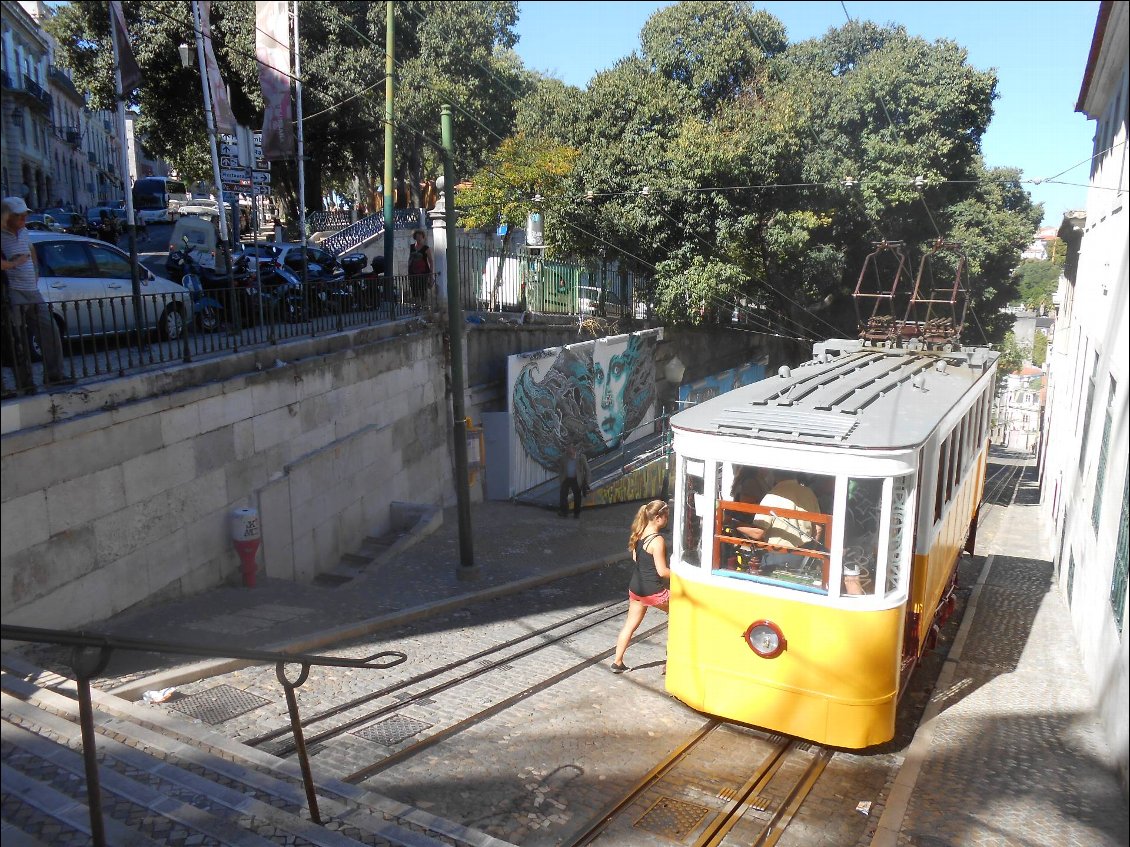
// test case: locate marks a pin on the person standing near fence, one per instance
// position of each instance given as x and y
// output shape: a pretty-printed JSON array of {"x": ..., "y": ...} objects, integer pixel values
[
  {"x": 27, "y": 307},
  {"x": 419, "y": 267}
]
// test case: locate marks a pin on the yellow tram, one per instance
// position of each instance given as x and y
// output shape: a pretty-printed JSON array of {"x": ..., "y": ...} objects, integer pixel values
[{"x": 819, "y": 517}]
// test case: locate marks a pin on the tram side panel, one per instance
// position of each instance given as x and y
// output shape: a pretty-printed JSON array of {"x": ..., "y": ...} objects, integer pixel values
[
  {"x": 935, "y": 562},
  {"x": 836, "y": 681}
]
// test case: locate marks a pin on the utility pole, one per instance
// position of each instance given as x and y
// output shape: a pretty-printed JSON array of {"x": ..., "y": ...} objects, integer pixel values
[
  {"x": 131, "y": 223},
  {"x": 467, "y": 568},
  {"x": 301, "y": 155},
  {"x": 211, "y": 123},
  {"x": 390, "y": 45}
]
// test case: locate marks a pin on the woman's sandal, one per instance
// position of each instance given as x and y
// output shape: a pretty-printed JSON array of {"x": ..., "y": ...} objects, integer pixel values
[{"x": 615, "y": 668}]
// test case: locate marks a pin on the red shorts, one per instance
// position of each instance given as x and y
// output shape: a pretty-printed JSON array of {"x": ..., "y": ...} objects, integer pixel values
[{"x": 660, "y": 599}]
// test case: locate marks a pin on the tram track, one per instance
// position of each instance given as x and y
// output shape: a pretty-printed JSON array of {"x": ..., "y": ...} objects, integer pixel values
[
  {"x": 481, "y": 715},
  {"x": 755, "y": 811},
  {"x": 494, "y": 659}
]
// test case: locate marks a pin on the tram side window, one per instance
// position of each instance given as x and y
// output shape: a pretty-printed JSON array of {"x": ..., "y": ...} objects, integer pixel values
[
  {"x": 861, "y": 535},
  {"x": 694, "y": 481},
  {"x": 774, "y": 527},
  {"x": 940, "y": 486}
]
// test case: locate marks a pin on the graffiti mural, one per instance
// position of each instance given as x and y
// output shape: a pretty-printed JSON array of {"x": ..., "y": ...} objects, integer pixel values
[
  {"x": 649, "y": 482},
  {"x": 692, "y": 393},
  {"x": 596, "y": 394}
]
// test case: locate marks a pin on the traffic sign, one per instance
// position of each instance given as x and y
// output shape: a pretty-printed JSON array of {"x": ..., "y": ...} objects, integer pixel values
[
  {"x": 235, "y": 175},
  {"x": 230, "y": 162},
  {"x": 229, "y": 150},
  {"x": 261, "y": 177},
  {"x": 227, "y": 139},
  {"x": 261, "y": 165},
  {"x": 261, "y": 190},
  {"x": 236, "y": 187},
  {"x": 231, "y": 197}
]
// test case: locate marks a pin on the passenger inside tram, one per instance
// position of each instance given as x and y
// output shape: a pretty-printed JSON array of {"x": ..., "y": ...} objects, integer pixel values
[{"x": 783, "y": 543}]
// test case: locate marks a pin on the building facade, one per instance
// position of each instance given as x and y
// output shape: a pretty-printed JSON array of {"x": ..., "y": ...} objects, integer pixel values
[
  {"x": 25, "y": 108},
  {"x": 1084, "y": 468},
  {"x": 57, "y": 151},
  {"x": 1018, "y": 411}
]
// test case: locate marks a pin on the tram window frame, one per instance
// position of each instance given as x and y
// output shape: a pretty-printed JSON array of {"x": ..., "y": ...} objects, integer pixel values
[
  {"x": 788, "y": 565},
  {"x": 940, "y": 479},
  {"x": 690, "y": 514}
]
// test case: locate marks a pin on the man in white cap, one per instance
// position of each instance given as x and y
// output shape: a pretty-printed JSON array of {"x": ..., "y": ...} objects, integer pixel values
[{"x": 23, "y": 297}]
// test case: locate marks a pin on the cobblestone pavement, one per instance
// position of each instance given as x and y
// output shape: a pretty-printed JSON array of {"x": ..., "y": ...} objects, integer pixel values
[{"x": 1009, "y": 755}]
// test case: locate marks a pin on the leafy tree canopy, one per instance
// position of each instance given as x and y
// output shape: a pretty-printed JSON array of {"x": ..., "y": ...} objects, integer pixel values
[{"x": 1036, "y": 283}]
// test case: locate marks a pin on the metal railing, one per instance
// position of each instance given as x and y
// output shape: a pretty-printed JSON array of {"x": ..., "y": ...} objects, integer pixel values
[
  {"x": 101, "y": 337},
  {"x": 369, "y": 227},
  {"x": 91, "y": 653},
  {"x": 523, "y": 280}
]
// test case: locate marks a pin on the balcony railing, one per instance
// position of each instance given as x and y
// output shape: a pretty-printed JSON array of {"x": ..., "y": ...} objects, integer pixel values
[{"x": 91, "y": 654}]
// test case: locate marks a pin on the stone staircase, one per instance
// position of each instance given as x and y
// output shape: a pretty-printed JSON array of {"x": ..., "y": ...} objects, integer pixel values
[
  {"x": 171, "y": 781},
  {"x": 409, "y": 523}
]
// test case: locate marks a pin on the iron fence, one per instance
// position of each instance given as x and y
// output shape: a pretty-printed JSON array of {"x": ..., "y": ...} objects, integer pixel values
[{"x": 104, "y": 336}]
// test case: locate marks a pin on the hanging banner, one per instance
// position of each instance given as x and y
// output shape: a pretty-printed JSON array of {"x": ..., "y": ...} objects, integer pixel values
[
  {"x": 221, "y": 107},
  {"x": 131, "y": 73},
  {"x": 272, "y": 52}
]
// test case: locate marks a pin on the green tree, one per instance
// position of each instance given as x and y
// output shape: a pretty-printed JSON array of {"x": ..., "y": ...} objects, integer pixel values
[
  {"x": 1036, "y": 283},
  {"x": 1040, "y": 349},
  {"x": 1013, "y": 354},
  {"x": 445, "y": 52}
]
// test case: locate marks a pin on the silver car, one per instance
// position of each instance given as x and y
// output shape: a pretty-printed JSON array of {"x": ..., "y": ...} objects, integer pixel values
[{"x": 89, "y": 286}]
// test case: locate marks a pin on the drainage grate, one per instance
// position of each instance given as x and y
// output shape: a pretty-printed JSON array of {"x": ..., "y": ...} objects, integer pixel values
[
  {"x": 392, "y": 730},
  {"x": 672, "y": 818},
  {"x": 218, "y": 704}
]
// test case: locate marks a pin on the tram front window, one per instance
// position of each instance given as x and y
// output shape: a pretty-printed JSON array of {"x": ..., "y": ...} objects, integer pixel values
[{"x": 775, "y": 528}]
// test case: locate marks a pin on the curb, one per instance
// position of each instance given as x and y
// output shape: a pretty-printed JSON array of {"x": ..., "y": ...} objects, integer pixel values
[{"x": 346, "y": 632}]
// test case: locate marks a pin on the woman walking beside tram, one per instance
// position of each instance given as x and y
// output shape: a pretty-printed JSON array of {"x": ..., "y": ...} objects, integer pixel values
[{"x": 650, "y": 575}]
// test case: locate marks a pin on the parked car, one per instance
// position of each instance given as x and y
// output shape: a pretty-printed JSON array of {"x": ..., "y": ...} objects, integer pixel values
[
  {"x": 42, "y": 222},
  {"x": 89, "y": 286},
  {"x": 72, "y": 222}
]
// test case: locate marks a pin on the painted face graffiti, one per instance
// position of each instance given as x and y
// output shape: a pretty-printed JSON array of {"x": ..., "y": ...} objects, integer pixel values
[{"x": 610, "y": 378}]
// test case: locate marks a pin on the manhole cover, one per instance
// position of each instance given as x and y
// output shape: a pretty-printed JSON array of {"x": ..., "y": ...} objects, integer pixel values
[
  {"x": 392, "y": 730},
  {"x": 672, "y": 818},
  {"x": 218, "y": 704}
]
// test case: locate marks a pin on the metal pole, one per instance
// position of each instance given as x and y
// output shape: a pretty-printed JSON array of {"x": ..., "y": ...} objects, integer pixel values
[
  {"x": 467, "y": 568},
  {"x": 390, "y": 45},
  {"x": 211, "y": 124},
  {"x": 301, "y": 155},
  {"x": 131, "y": 224}
]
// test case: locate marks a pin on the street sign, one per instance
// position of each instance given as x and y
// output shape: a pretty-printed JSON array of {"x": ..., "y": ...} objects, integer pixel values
[
  {"x": 227, "y": 139},
  {"x": 231, "y": 197},
  {"x": 261, "y": 165},
  {"x": 235, "y": 175},
  {"x": 236, "y": 187},
  {"x": 229, "y": 162},
  {"x": 262, "y": 190},
  {"x": 227, "y": 149},
  {"x": 257, "y": 137},
  {"x": 261, "y": 177}
]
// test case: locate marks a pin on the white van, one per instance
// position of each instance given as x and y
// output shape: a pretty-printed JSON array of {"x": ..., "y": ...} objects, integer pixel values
[
  {"x": 505, "y": 292},
  {"x": 203, "y": 239}
]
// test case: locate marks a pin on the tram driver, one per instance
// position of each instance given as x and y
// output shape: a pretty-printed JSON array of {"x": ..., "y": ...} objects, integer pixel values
[{"x": 779, "y": 531}]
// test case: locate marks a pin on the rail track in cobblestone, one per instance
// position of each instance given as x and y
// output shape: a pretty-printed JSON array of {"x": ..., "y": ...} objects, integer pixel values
[
  {"x": 1001, "y": 482},
  {"x": 710, "y": 797},
  {"x": 465, "y": 669}
]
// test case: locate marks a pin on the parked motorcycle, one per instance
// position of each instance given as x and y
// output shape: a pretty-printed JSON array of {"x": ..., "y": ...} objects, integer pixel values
[{"x": 277, "y": 295}]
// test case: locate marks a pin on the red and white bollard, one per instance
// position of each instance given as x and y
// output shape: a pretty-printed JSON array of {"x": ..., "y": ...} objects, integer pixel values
[{"x": 245, "y": 536}]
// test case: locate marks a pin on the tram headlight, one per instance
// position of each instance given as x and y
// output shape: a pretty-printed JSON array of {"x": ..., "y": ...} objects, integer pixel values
[{"x": 765, "y": 639}]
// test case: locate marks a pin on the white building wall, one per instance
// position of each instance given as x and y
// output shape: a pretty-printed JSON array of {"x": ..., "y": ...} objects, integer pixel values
[{"x": 1085, "y": 485}]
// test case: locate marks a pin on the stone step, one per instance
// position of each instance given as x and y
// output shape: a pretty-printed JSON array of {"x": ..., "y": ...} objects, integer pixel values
[
  {"x": 210, "y": 758},
  {"x": 410, "y": 523},
  {"x": 56, "y": 818}
]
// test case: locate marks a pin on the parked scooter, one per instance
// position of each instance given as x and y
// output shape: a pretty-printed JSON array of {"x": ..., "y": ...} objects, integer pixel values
[
  {"x": 207, "y": 311},
  {"x": 278, "y": 295}
]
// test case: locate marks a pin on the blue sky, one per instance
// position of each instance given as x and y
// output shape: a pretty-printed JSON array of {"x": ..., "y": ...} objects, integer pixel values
[{"x": 1039, "y": 50}]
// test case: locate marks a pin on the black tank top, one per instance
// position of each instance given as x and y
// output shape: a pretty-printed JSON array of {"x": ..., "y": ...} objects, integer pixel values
[{"x": 645, "y": 579}]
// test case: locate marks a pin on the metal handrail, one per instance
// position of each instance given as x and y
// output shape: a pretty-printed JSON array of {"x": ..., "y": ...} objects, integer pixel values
[{"x": 88, "y": 664}]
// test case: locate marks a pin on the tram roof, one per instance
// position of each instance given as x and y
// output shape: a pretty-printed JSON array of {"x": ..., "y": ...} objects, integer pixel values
[{"x": 848, "y": 396}]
